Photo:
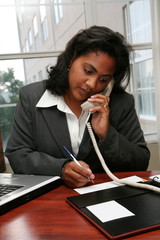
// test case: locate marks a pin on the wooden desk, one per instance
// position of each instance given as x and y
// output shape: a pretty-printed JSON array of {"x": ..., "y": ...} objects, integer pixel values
[{"x": 51, "y": 217}]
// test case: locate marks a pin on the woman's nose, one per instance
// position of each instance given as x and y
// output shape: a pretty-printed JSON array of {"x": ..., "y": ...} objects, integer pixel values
[{"x": 91, "y": 82}]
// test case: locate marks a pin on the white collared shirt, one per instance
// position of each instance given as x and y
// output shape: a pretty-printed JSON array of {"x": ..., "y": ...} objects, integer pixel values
[{"x": 76, "y": 126}]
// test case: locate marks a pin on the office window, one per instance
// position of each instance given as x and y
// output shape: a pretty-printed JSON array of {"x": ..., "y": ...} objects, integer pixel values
[
  {"x": 44, "y": 25},
  {"x": 139, "y": 34}
]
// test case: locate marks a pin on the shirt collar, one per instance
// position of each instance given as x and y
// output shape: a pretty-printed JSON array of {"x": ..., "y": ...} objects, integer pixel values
[{"x": 49, "y": 100}]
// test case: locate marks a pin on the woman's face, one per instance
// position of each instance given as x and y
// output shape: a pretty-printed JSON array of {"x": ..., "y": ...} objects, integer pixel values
[{"x": 90, "y": 74}]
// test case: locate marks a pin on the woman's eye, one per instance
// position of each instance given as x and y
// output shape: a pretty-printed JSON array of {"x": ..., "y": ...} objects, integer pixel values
[
  {"x": 103, "y": 80},
  {"x": 88, "y": 71},
  {"x": 106, "y": 79}
]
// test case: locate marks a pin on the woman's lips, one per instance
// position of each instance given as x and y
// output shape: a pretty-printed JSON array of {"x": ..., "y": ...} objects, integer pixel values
[{"x": 84, "y": 92}]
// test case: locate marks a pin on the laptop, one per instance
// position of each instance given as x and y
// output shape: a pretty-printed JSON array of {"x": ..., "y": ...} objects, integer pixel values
[{"x": 17, "y": 189}]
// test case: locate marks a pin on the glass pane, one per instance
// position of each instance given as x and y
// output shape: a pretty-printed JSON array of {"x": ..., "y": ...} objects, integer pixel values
[
  {"x": 140, "y": 20},
  {"x": 13, "y": 75},
  {"x": 144, "y": 69},
  {"x": 21, "y": 72},
  {"x": 71, "y": 20},
  {"x": 39, "y": 25},
  {"x": 9, "y": 41},
  {"x": 144, "y": 89},
  {"x": 36, "y": 69},
  {"x": 15, "y": 65},
  {"x": 11, "y": 79}
]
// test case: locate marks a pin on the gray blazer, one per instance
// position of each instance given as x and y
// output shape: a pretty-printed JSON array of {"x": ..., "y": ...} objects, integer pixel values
[{"x": 38, "y": 134}]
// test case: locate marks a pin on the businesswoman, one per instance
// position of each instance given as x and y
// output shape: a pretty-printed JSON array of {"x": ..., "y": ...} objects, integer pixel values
[{"x": 49, "y": 115}]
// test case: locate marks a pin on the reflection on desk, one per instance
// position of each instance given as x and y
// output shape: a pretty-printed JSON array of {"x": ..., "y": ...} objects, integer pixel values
[{"x": 51, "y": 217}]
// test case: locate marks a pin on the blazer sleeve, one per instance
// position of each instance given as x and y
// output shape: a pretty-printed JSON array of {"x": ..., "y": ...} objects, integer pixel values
[
  {"x": 124, "y": 148},
  {"x": 22, "y": 150}
]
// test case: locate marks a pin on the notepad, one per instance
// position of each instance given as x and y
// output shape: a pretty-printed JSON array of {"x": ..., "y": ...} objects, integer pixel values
[{"x": 106, "y": 185}]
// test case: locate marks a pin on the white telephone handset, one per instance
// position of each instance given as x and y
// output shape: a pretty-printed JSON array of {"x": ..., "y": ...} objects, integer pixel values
[{"x": 88, "y": 105}]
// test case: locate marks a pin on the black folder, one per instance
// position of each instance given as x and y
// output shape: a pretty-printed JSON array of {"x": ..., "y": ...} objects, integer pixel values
[{"x": 143, "y": 203}]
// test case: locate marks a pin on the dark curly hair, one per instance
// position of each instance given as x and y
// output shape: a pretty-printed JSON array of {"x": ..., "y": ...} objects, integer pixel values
[{"x": 93, "y": 39}]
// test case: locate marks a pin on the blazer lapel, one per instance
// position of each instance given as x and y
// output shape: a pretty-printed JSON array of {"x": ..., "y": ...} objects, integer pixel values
[{"x": 57, "y": 123}]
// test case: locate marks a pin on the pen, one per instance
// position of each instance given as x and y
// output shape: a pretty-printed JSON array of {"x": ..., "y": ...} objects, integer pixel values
[{"x": 74, "y": 159}]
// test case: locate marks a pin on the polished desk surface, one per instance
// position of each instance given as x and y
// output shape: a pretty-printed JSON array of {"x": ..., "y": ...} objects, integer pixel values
[{"x": 51, "y": 217}]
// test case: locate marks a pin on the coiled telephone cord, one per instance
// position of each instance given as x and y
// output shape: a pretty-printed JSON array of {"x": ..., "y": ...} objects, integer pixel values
[{"x": 110, "y": 174}]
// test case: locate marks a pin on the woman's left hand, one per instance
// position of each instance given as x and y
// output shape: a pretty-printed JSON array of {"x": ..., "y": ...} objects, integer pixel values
[{"x": 100, "y": 115}]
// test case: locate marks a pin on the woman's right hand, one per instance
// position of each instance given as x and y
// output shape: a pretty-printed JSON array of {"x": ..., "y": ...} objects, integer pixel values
[{"x": 76, "y": 176}]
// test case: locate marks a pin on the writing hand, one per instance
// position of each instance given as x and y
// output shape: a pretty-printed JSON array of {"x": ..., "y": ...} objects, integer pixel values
[{"x": 77, "y": 176}]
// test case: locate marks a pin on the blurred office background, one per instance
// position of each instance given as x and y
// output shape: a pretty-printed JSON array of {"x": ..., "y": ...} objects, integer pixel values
[{"x": 34, "y": 32}]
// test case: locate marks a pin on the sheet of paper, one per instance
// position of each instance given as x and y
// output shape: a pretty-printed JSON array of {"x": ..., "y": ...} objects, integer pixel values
[
  {"x": 109, "y": 211},
  {"x": 106, "y": 185}
]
